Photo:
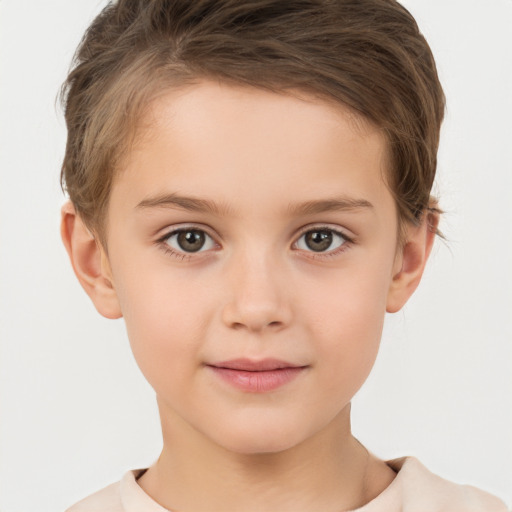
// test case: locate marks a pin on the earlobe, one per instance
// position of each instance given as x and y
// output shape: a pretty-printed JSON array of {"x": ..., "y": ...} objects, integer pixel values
[
  {"x": 89, "y": 262},
  {"x": 411, "y": 261}
]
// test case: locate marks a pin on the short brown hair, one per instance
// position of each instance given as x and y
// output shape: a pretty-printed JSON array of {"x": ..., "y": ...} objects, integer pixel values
[{"x": 366, "y": 54}]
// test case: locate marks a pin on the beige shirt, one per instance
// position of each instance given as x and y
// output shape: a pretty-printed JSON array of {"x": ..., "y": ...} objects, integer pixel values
[{"x": 415, "y": 489}]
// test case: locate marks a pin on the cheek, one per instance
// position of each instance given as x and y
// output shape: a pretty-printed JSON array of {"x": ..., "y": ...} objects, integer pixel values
[
  {"x": 164, "y": 327},
  {"x": 347, "y": 321}
]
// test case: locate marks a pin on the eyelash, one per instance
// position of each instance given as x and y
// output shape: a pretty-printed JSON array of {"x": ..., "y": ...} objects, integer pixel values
[
  {"x": 348, "y": 242},
  {"x": 182, "y": 256},
  {"x": 162, "y": 242}
]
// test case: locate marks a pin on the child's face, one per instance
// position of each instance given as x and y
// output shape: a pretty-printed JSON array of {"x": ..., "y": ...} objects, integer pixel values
[{"x": 295, "y": 240}]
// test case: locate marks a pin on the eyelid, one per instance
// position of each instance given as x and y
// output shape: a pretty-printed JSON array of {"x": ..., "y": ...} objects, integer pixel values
[
  {"x": 314, "y": 255},
  {"x": 175, "y": 229},
  {"x": 327, "y": 227},
  {"x": 168, "y": 231}
]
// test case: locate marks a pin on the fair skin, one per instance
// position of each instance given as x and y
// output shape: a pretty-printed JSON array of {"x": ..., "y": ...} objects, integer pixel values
[{"x": 294, "y": 257}]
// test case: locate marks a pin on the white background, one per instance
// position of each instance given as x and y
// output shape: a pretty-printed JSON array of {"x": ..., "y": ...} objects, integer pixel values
[{"x": 75, "y": 410}]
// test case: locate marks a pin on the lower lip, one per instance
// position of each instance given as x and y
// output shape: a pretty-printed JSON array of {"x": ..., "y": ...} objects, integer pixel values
[{"x": 258, "y": 381}]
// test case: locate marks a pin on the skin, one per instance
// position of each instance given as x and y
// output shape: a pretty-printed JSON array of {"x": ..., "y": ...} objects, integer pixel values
[{"x": 255, "y": 290}]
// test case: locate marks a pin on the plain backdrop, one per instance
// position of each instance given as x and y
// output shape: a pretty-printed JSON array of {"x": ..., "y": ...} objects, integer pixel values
[{"x": 75, "y": 412}]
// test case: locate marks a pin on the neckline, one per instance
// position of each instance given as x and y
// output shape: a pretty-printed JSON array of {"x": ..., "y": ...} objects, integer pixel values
[{"x": 135, "y": 499}]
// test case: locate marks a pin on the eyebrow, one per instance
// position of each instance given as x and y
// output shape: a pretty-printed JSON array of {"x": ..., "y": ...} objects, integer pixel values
[
  {"x": 192, "y": 204},
  {"x": 328, "y": 205},
  {"x": 195, "y": 204}
]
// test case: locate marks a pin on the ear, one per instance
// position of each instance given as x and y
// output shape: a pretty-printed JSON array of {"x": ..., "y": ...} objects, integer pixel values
[
  {"x": 89, "y": 262},
  {"x": 411, "y": 260}
]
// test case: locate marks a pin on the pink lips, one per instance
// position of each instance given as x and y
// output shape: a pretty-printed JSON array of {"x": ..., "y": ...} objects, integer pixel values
[{"x": 256, "y": 376}]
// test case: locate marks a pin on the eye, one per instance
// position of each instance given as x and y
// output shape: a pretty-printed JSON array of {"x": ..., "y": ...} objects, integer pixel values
[
  {"x": 189, "y": 240},
  {"x": 321, "y": 240}
]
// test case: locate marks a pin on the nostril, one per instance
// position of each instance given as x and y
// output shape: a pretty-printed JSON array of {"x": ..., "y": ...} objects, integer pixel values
[
  {"x": 255, "y": 314},
  {"x": 238, "y": 325}
]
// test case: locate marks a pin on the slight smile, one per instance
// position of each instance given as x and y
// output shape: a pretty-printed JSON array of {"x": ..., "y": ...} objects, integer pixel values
[{"x": 256, "y": 376}]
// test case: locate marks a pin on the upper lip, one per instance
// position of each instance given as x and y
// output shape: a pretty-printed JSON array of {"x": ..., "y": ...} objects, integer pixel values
[{"x": 255, "y": 365}]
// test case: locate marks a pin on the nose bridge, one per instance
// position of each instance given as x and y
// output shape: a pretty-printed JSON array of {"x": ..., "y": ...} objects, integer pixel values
[{"x": 257, "y": 294}]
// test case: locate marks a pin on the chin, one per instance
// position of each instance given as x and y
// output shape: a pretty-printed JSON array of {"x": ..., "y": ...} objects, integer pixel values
[
  {"x": 258, "y": 445},
  {"x": 259, "y": 438}
]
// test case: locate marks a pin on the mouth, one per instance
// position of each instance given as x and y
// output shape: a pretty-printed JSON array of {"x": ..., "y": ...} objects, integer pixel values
[{"x": 256, "y": 376}]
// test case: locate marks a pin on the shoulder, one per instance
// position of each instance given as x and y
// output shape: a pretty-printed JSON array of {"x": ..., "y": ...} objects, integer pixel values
[
  {"x": 423, "y": 490},
  {"x": 123, "y": 496},
  {"x": 105, "y": 500}
]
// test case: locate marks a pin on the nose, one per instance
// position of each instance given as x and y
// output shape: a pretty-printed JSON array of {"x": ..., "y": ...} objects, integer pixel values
[{"x": 257, "y": 294}]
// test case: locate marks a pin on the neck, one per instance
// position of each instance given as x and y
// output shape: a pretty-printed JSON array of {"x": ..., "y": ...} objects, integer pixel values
[{"x": 326, "y": 472}]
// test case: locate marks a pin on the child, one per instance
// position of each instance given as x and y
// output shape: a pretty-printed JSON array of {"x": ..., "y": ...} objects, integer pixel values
[{"x": 249, "y": 188}]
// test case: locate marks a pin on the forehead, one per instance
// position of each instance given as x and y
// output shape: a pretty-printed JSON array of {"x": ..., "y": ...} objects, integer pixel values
[
  {"x": 190, "y": 104},
  {"x": 221, "y": 140}
]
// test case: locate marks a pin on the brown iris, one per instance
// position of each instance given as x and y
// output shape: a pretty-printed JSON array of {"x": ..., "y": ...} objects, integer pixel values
[
  {"x": 318, "y": 241},
  {"x": 191, "y": 240}
]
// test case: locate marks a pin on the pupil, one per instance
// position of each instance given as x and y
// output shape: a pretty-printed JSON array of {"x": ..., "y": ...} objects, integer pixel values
[
  {"x": 319, "y": 240},
  {"x": 191, "y": 241}
]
